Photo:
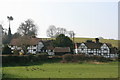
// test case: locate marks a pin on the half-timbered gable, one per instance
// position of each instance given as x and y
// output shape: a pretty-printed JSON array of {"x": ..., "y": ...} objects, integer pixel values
[{"x": 95, "y": 48}]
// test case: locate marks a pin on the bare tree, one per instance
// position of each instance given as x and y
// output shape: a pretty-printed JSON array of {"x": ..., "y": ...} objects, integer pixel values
[
  {"x": 54, "y": 32},
  {"x": 61, "y": 30},
  {"x": 28, "y": 28},
  {"x": 51, "y": 32},
  {"x": 71, "y": 34}
]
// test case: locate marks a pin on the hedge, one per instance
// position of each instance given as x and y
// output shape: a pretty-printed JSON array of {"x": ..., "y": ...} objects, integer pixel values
[
  {"x": 24, "y": 58},
  {"x": 83, "y": 57}
]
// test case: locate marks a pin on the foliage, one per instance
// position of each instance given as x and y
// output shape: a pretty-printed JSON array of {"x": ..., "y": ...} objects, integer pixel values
[
  {"x": 71, "y": 34},
  {"x": 16, "y": 35},
  {"x": 6, "y": 37},
  {"x": 63, "y": 41},
  {"x": 16, "y": 52},
  {"x": 42, "y": 56},
  {"x": 28, "y": 28},
  {"x": 9, "y": 36},
  {"x": 6, "y": 50},
  {"x": 79, "y": 57},
  {"x": 51, "y": 32},
  {"x": 67, "y": 57},
  {"x": 24, "y": 59},
  {"x": 55, "y": 31},
  {"x": 83, "y": 57}
]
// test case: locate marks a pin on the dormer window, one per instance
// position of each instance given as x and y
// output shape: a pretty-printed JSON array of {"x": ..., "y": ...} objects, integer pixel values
[
  {"x": 82, "y": 49},
  {"x": 105, "y": 49}
]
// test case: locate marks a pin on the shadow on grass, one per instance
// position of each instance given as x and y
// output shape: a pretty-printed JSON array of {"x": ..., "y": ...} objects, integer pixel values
[{"x": 4, "y": 76}]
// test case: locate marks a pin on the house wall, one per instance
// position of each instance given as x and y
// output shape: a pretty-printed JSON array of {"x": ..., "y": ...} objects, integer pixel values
[
  {"x": 35, "y": 48},
  {"x": 31, "y": 49},
  {"x": 103, "y": 51}
]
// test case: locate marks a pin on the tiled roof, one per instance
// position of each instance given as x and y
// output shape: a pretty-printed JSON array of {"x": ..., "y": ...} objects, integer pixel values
[
  {"x": 33, "y": 41},
  {"x": 109, "y": 45},
  {"x": 93, "y": 45},
  {"x": 61, "y": 49},
  {"x": 15, "y": 42}
]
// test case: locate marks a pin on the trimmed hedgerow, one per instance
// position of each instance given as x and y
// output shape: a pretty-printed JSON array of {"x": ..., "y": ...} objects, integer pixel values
[
  {"x": 67, "y": 57},
  {"x": 83, "y": 57},
  {"x": 23, "y": 59}
]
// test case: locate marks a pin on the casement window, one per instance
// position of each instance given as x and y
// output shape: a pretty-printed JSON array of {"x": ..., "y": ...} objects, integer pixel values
[
  {"x": 34, "y": 49},
  {"x": 34, "y": 45},
  {"x": 90, "y": 53},
  {"x": 105, "y": 49},
  {"x": 82, "y": 49},
  {"x": 94, "y": 51},
  {"x": 105, "y": 54},
  {"x": 100, "y": 54}
]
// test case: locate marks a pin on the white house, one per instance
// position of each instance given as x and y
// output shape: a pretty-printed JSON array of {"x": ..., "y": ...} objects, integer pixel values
[
  {"x": 36, "y": 45},
  {"x": 96, "y": 48}
]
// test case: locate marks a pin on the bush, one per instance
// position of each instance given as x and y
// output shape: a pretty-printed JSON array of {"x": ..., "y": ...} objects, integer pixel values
[
  {"x": 42, "y": 56},
  {"x": 79, "y": 57},
  {"x": 6, "y": 50},
  {"x": 68, "y": 57},
  {"x": 16, "y": 59},
  {"x": 83, "y": 57},
  {"x": 16, "y": 52}
]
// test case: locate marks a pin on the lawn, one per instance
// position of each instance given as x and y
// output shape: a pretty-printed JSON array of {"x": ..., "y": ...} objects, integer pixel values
[{"x": 63, "y": 70}]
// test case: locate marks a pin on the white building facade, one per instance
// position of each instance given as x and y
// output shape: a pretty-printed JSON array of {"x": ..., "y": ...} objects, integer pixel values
[{"x": 99, "y": 49}]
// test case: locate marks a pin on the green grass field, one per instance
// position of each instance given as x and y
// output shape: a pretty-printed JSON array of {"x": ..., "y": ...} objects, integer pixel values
[{"x": 63, "y": 70}]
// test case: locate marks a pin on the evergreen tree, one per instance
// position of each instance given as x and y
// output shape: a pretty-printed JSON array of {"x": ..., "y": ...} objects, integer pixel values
[
  {"x": 9, "y": 36},
  {"x": 63, "y": 41},
  {"x": 6, "y": 50}
]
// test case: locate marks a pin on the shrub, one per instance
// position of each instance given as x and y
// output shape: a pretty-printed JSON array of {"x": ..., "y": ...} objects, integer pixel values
[
  {"x": 78, "y": 57},
  {"x": 16, "y": 52},
  {"x": 6, "y": 50},
  {"x": 42, "y": 56},
  {"x": 30, "y": 57},
  {"x": 67, "y": 57},
  {"x": 83, "y": 57}
]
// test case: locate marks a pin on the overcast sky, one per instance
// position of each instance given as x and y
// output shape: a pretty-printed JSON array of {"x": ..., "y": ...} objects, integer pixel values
[{"x": 87, "y": 18}]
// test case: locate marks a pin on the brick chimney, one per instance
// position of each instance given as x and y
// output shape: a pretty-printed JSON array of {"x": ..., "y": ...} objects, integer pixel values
[{"x": 97, "y": 40}]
